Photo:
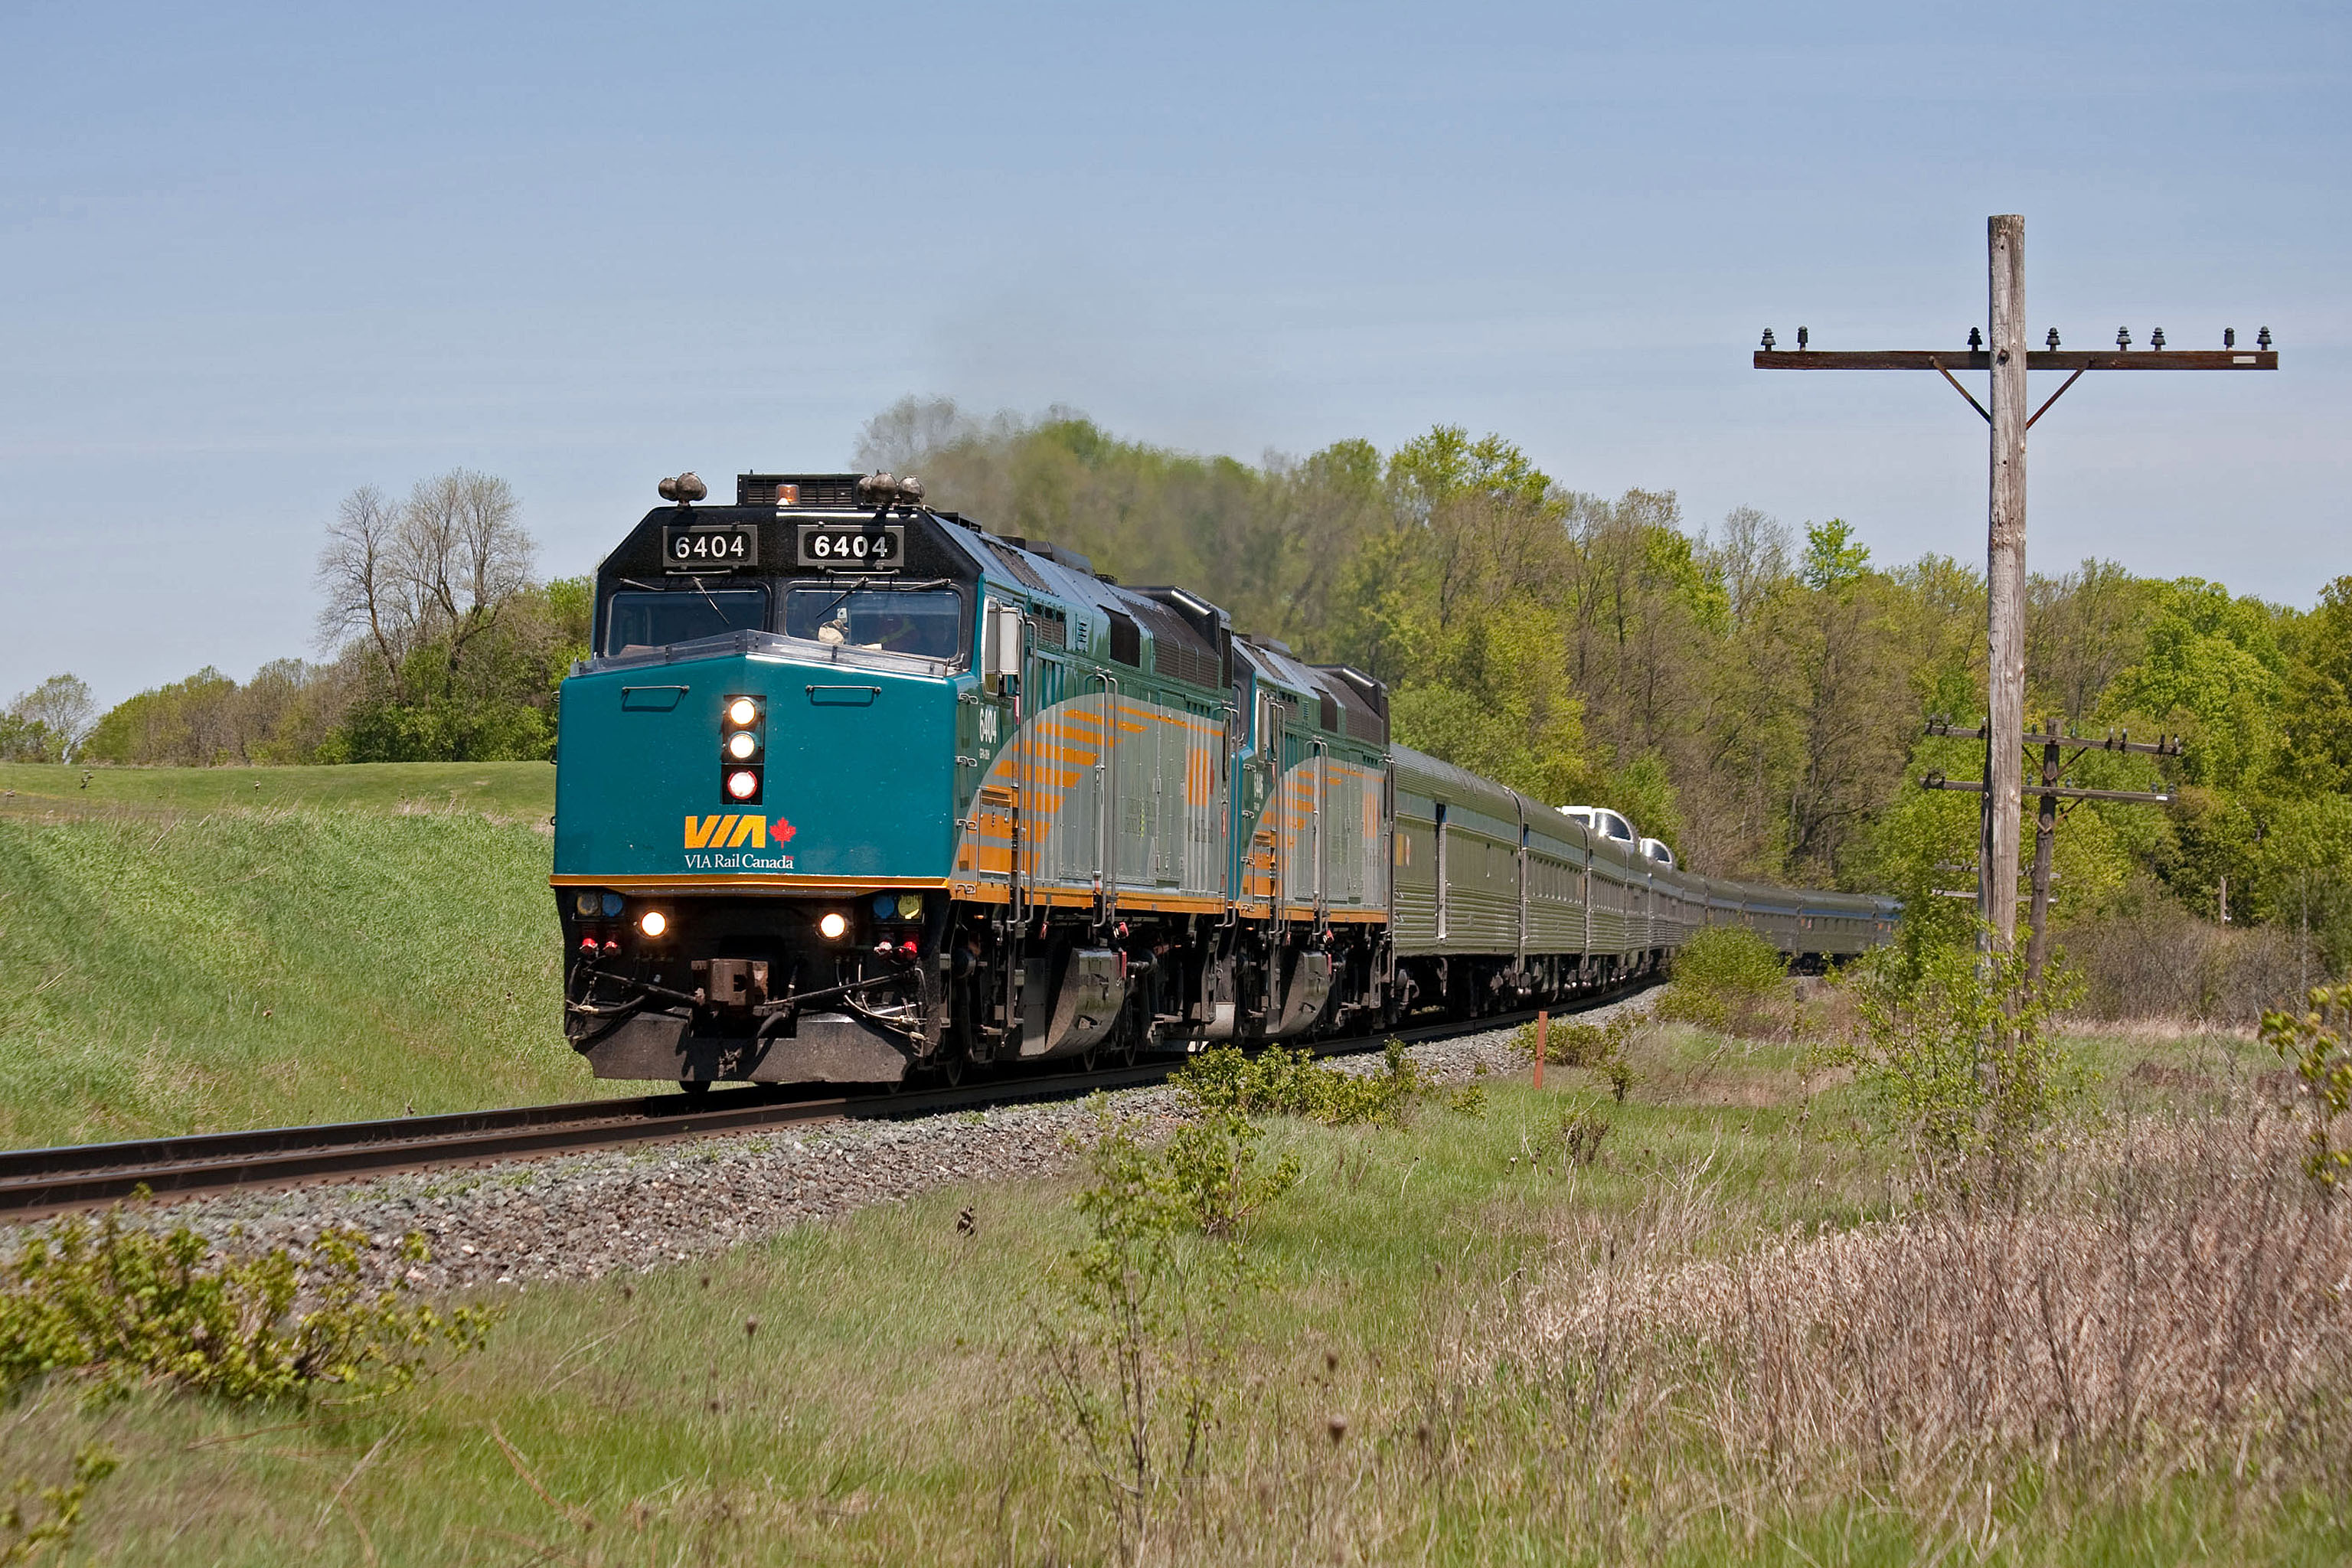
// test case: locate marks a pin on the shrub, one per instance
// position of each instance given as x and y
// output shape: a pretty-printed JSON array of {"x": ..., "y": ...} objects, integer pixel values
[
  {"x": 1134, "y": 1342},
  {"x": 2317, "y": 1045},
  {"x": 1468, "y": 1100},
  {"x": 29, "y": 1533},
  {"x": 1956, "y": 1053},
  {"x": 1280, "y": 1082},
  {"x": 1725, "y": 979},
  {"x": 119, "y": 1304},
  {"x": 1218, "y": 1177},
  {"x": 1598, "y": 1047},
  {"x": 1581, "y": 1133}
]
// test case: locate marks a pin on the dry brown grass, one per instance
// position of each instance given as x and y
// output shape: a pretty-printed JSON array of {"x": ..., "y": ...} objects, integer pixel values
[
  {"x": 2155, "y": 1029},
  {"x": 2163, "y": 962},
  {"x": 2168, "y": 1306}
]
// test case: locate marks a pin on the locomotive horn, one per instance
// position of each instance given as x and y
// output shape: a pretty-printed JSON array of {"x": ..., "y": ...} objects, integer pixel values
[
  {"x": 683, "y": 490},
  {"x": 882, "y": 489}
]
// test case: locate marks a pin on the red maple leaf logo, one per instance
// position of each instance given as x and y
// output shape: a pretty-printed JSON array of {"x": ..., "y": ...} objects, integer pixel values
[{"x": 783, "y": 832}]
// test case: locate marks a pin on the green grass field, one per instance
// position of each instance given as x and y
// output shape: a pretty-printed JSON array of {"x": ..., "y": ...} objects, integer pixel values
[
  {"x": 890, "y": 1407},
  {"x": 174, "y": 956},
  {"x": 524, "y": 792},
  {"x": 181, "y": 951}
]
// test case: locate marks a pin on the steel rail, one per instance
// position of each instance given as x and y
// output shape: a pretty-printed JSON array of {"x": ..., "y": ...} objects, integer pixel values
[{"x": 38, "y": 1182}]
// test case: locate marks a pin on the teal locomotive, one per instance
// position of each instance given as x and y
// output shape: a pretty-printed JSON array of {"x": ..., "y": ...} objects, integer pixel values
[{"x": 851, "y": 788}]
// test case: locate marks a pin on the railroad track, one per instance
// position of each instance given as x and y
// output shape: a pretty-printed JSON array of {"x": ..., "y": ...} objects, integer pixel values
[{"x": 37, "y": 1183}]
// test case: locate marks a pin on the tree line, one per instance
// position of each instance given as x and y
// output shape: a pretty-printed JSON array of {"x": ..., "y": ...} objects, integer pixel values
[
  {"x": 439, "y": 644},
  {"x": 1752, "y": 693}
]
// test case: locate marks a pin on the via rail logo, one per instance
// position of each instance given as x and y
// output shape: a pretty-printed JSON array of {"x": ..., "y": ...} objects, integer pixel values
[{"x": 727, "y": 843}]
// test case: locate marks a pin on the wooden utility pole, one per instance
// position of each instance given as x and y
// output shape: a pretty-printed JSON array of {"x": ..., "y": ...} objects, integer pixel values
[
  {"x": 2008, "y": 359},
  {"x": 2045, "y": 849},
  {"x": 1997, "y": 828}
]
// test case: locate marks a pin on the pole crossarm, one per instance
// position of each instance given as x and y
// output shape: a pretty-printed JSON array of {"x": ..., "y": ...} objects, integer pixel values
[
  {"x": 1950, "y": 360},
  {"x": 2165, "y": 746},
  {"x": 1976, "y": 787},
  {"x": 2059, "y": 753}
]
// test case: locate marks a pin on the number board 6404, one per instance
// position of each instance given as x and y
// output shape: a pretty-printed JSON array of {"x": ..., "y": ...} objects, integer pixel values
[
  {"x": 853, "y": 547},
  {"x": 705, "y": 548}
]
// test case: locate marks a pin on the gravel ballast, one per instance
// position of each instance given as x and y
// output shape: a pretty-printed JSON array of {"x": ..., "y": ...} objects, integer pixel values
[{"x": 581, "y": 1217}]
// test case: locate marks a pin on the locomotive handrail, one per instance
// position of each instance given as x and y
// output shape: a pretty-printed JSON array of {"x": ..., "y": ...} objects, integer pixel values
[
  {"x": 1106, "y": 804},
  {"x": 1016, "y": 885},
  {"x": 1322, "y": 800},
  {"x": 1235, "y": 852},
  {"x": 1271, "y": 706}
]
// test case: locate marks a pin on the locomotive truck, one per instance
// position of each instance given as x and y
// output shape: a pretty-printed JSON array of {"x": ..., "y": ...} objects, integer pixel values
[{"x": 851, "y": 789}]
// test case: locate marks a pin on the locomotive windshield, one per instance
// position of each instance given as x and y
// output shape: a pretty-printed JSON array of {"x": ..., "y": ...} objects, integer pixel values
[
  {"x": 924, "y": 621},
  {"x": 642, "y": 620}
]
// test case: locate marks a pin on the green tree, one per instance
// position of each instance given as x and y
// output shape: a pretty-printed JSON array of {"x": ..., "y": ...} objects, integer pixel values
[
  {"x": 1835, "y": 560},
  {"x": 1754, "y": 699},
  {"x": 2317, "y": 711},
  {"x": 2083, "y": 629},
  {"x": 48, "y": 723},
  {"x": 2212, "y": 672},
  {"x": 452, "y": 652},
  {"x": 188, "y": 723},
  {"x": 1473, "y": 539},
  {"x": 2301, "y": 865}
]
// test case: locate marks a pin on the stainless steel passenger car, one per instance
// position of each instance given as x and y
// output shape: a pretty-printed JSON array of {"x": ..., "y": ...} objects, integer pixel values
[{"x": 1502, "y": 898}]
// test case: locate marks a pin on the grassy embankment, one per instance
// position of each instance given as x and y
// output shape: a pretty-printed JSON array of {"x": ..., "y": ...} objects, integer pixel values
[
  {"x": 191, "y": 949},
  {"x": 520, "y": 792},
  {"x": 866, "y": 1391},
  {"x": 171, "y": 957}
]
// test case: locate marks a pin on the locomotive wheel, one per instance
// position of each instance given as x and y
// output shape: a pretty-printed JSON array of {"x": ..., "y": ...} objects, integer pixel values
[{"x": 951, "y": 1066}]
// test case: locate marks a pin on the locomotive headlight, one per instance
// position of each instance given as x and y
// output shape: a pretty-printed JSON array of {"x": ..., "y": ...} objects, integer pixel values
[
  {"x": 742, "y": 710},
  {"x": 833, "y": 925},
  {"x": 653, "y": 923},
  {"x": 742, "y": 745},
  {"x": 742, "y": 783},
  {"x": 584, "y": 904}
]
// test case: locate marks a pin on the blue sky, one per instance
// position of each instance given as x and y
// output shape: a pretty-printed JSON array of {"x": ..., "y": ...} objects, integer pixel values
[{"x": 250, "y": 259}]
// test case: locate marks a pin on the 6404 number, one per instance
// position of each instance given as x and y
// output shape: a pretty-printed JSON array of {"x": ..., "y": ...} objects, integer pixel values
[
  {"x": 871, "y": 547},
  {"x": 710, "y": 549}
]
